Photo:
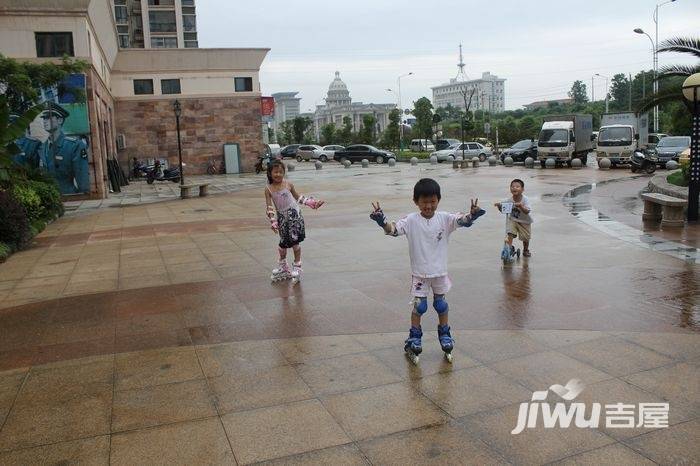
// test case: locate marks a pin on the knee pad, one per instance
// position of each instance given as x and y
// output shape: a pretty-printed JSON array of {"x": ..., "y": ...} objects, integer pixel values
[
  {"x": 440, "y": 304},
  {"x": 420, "y": 305}
]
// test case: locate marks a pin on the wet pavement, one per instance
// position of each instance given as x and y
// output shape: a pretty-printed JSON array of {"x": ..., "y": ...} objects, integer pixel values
[{"x": 133, "y": 311}]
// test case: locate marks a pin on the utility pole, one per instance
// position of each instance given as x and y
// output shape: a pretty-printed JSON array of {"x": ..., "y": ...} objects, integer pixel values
[{"x": 629, "y": 106}]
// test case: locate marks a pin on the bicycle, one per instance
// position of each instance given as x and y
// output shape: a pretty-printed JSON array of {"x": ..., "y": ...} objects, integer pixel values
[{"x": 213, "y": 170}]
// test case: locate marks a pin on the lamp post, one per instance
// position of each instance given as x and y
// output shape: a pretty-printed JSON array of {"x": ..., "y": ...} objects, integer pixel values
[
  {"x": 398, "y": 86},
  {"x": 178, "y": 111},
  {"x": 691, "y": 91},
  {"x": 607, "y": 90},
  {"x": 592, "y": 89},
  {"x": 653, "y": 57},
  {"x": 656, "y": 60}
]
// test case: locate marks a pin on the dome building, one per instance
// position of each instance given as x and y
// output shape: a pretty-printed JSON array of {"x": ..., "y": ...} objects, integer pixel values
[{"x": 339, "y": 105}]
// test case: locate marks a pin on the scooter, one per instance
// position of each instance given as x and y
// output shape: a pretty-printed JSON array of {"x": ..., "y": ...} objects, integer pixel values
[
  {"x": 157, "y": 173},
  {"x": 643, "y": 161}
]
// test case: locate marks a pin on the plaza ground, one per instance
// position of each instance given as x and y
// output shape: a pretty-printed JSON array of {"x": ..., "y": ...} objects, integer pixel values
[{"x": 143, "y": 332}]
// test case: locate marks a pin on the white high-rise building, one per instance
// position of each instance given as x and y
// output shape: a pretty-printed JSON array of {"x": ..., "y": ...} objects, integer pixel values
[
  {"x": 155, "y": 23},
  {"x": 488, "y": 92},
  {"x": 286, "y": 107}
]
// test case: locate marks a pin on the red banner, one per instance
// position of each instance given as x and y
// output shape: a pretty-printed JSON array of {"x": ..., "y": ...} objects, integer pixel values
[{"x": 267, "y": 106}]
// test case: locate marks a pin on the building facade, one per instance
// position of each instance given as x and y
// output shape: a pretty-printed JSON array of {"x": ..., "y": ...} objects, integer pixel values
[
  {"x": 128, "y": 110},
  {"x": 489, "y": 93},
  {"x": 287, "y": 107},
  {"x": 155, "y": 23},
  {"x": 339, "y": 105}
]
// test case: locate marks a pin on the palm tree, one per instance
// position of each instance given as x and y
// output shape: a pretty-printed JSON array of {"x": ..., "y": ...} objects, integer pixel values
[{"x": 687, "y": 45}]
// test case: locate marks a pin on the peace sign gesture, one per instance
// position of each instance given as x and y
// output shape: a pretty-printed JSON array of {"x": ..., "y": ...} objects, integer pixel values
[
  {"x": 376, "y": 207},
  {"x": 475, "y": 206},
  {"x": 377, "y": 215}
]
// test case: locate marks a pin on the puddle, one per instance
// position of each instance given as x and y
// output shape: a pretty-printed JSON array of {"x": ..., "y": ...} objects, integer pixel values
[{"x": 578, "y": 202}]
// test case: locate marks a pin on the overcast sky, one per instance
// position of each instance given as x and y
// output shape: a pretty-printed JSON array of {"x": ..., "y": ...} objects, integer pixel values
[{"x": 540, "y": 47}]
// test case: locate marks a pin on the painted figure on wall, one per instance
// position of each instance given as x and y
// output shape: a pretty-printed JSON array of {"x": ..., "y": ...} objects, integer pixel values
[
  {"x": 64, "y": 157},
  {"x": 29, "y": 147}
]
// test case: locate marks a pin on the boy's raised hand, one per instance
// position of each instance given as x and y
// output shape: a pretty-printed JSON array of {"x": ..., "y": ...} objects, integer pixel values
[
  {"x": 378, "y": 215},
  {"x": 475, "y": 206}
]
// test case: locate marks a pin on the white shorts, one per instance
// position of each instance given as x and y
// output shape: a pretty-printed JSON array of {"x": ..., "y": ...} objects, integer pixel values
[{"x": 421, "y": 286}]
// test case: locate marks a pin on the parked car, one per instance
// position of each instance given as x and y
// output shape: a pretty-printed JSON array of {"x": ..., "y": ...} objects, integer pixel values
[
  {"x": 471, "y": 150},
  {"x": 289, "y": 151},
  {"x": 444, "y": 153},
  {"x": 670, "y": 148},
  {"x": 331, "y": 150},
  {"x": 358, "y": 152},
  {"x": 420, "y": 145},
  {"x": 310, "y": 152},
  {"x": 441, "y": 144},
  {"x": 521, "y": 150},
  {"x": 654, "y": 138}
]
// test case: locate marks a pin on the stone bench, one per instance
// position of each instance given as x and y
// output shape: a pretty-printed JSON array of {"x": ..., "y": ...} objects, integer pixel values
[
  {"x": 185, "y": 189},
  {"x": 665, "y": 208}
]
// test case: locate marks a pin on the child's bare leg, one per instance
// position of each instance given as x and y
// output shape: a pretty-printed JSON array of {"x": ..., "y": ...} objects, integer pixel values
[
  {"x": 415, "y": 320},
  {"x": 282, "y": 253},
  {"x": 509, "y": 239},
  {"x": 526, "y": 245},
  {"x": 297, "y": 254}
]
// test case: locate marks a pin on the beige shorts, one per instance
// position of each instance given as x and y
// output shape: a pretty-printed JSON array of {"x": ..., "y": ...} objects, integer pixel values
[
  {"x": 517, "y": 229},
  {"x": 421, "y": 286}
]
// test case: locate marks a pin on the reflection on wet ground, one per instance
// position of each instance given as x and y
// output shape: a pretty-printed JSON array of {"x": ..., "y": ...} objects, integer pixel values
[{"x": 579, "y": 203}]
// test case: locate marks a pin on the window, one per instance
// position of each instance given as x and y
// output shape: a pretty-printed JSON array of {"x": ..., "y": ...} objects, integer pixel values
[
  {"x": 161, "y": 2},
  {"x": 124, "y": 41},
  {"x": 243, "y": 84},
  {"x": 120, "y": 15},
  {"x": 162, "y": 21},
  {"x": 164, "y": 42},
  {"x": 189, "y": 23},
  {"x": 191, "y": 44},
  {"x": 54, "y": 44},
  {"x": 170, "y": 86},
  {"x": 143, "y": 86}
]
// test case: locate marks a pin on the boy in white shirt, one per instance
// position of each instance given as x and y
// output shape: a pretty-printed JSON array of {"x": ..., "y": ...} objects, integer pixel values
[
  {"x": 519, "y": 220},
  {"x": 427, "y": 232}
]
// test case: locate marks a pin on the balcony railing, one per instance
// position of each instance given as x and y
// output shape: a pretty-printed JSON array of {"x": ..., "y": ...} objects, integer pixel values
[{"x": 163, "y": 27}]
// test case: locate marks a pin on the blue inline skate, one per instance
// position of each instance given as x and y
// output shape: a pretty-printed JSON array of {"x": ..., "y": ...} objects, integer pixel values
[
  {"x": 509, "y": 254},
  {"x": 413, "y": 346},
  {"x": 446, "y": 341}
]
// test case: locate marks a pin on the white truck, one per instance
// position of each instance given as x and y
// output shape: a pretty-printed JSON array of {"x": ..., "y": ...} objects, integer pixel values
[
  {"x": 565, "y": 138},
  {"x": 620, "y": 135}
]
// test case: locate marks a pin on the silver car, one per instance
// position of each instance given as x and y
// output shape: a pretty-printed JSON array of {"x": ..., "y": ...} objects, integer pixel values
[
  {"x": 311, "y": 152},
  {"x": 471, "y": 150},
  {"x": 329, "y": 152},
  {"x": 444, "y": 153}
]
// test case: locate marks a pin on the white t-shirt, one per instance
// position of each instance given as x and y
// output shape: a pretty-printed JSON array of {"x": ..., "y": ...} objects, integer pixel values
[
  {"x": 427, "y": 241},
  {"x": 518, "y": 215}
]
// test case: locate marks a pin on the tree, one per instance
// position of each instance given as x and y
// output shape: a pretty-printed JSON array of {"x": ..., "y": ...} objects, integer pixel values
[
  {"x": 286, "y": 132},
  {"x": 366, "y": 133},
  {"x": 448, "y": 113},
  {"x": 620, "y": 92},
  {"x": 299, "y": 127},
  {"x": 687, "y": 45},
  {"x": 423, "y": 111},
  {"x": 390, "y": 137},
  {"x": 346, "y": 131},
  {"x": 578, "y": 92},
  {"x": 327, "y": 134}
]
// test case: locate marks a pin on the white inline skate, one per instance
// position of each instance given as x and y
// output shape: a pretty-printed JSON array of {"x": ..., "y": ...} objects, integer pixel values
[
  {"x": 281, "y": 273},
  {"x": 296, "y": 273}
]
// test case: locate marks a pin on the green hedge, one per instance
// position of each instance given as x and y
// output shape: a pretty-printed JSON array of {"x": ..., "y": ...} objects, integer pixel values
[{"x": 26, "y": 206}]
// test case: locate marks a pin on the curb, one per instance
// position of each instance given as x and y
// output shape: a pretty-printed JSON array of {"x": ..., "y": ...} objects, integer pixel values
[{"x": 658, "y": 184}]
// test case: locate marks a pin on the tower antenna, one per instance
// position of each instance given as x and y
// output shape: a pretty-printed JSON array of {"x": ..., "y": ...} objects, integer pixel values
[{"x": 461, "y": 75}]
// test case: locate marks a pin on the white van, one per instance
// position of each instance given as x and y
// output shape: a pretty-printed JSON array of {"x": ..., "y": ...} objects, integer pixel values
[{"x": 421, "y": 145}]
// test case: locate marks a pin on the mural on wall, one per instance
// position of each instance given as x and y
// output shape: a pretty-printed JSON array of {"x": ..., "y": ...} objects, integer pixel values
[{"x": 57, "y": 142}]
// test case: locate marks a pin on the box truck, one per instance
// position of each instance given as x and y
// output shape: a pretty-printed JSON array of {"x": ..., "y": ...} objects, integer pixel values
[
  {"x": 620, "y": 135},
  {"x": 565, "y": 138}
]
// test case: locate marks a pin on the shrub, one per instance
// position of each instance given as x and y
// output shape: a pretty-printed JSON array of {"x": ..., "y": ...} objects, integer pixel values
[
  {"x": 50, "y": 198},
  {"x": 14, "y": 224},
  {"x": 31, "y": 201}
]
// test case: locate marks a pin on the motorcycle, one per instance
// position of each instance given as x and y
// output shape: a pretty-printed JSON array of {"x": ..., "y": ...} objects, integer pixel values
[
  {"x": 157, "y": 173},
  {"x": 262, "y": 163},
  {"x": 643, "y": 161}
]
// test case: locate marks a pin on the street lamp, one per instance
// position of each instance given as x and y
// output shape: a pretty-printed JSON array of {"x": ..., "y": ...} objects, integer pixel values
[
  {"x": 691, "y": 91},
  {"x": 654, "y": 64},
  {"x": 607, "y": 90},
  {"x": 398, "y": 85},
  {"x": 655, "y": 45},
  {"x": 178, "y": 111}
]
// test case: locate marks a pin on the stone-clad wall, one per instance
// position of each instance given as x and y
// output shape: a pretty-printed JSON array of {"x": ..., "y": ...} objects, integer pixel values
[{"x": 206, "y": 124}]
